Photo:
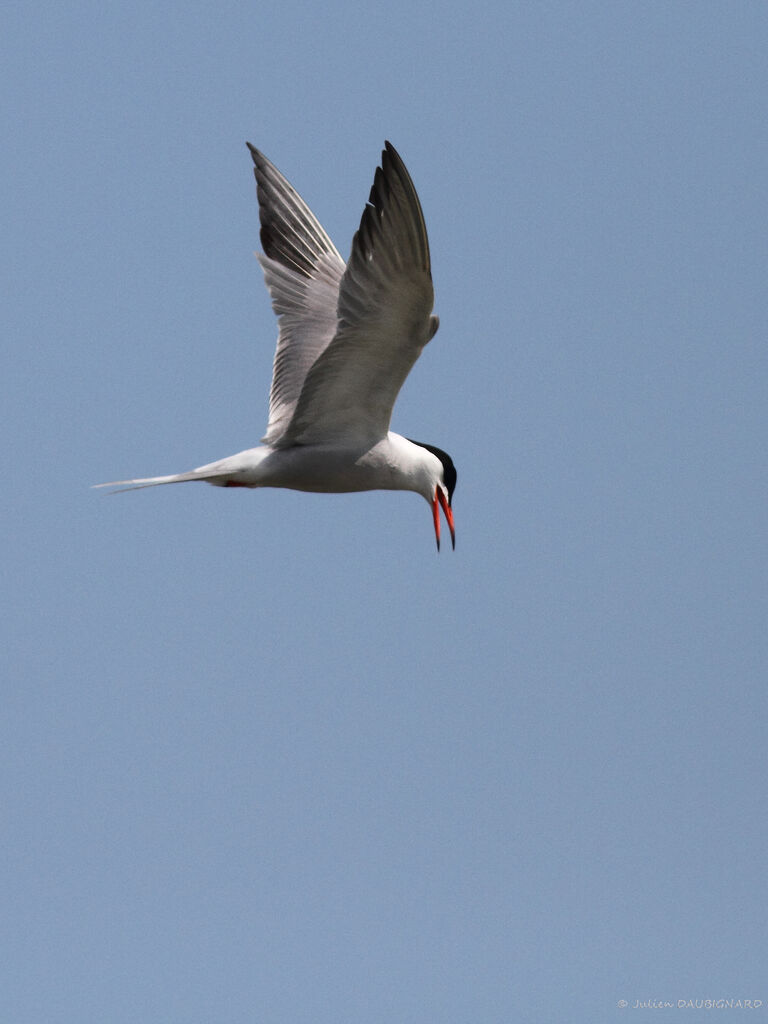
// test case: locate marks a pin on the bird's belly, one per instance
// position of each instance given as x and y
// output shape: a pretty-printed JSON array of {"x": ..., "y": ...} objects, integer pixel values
[{"x": 328, "y": 470}]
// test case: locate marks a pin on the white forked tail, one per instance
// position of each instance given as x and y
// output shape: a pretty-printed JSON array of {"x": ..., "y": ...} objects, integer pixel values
[
  {"x": 152, "y": 481},
  {"x": 217, "y": 473},
  {"x": 207, "y": 474}
]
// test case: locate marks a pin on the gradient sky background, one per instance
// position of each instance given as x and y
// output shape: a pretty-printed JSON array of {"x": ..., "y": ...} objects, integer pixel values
[{"x": 267, "y": 757}]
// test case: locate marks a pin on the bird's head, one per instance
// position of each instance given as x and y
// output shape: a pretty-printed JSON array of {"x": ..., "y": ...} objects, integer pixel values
[{"x": 440, "y": 488}]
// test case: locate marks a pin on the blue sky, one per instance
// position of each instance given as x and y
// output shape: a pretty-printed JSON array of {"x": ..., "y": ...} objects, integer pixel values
[{"x": 266, "y": 756}]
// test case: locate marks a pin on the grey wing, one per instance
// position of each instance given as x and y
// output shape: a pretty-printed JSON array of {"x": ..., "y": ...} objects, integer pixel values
[
  {"x": 384, "y": 320},
  {"x": 303, "y": 271}
]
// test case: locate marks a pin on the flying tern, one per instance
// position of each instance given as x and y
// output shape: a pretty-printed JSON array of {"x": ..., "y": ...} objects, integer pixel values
[{"x": 348, "y": 337}]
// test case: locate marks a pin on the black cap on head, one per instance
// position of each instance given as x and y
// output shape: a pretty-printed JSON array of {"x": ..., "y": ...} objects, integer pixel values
[{"x": 449, "y": 470}]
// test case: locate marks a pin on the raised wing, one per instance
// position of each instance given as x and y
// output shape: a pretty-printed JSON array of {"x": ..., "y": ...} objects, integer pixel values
[
  {"x": 384, "y": 321},
  {"x": 303, "y": 271}
]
